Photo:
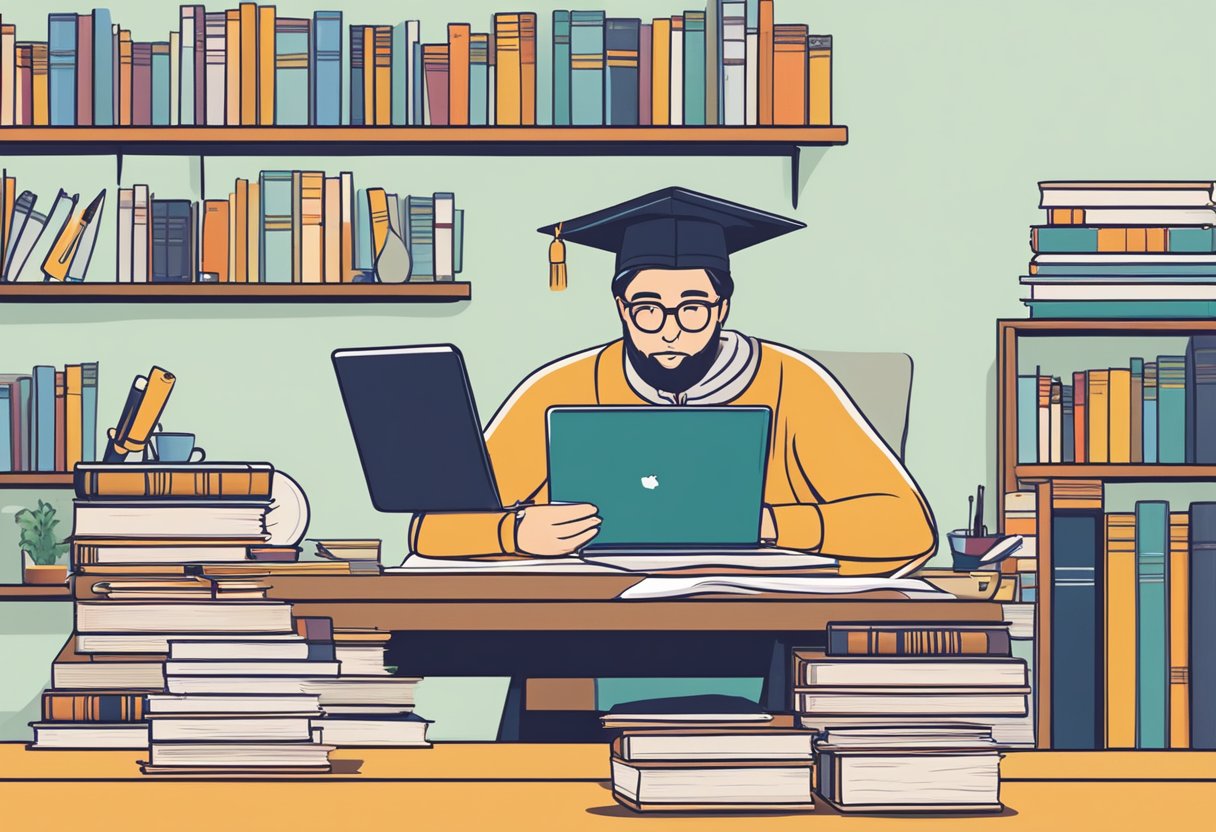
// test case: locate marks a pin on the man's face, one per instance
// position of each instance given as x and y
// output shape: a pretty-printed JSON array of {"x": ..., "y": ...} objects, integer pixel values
[{"x": 642, "y": 312}]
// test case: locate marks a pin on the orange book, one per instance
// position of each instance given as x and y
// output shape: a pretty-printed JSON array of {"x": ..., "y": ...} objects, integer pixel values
[
  {"x": 73, "y": 409},
  {"x": 10, "y": 198},
  {"x": 1179, "y": 632},
  {"x": 819, "y": 79},
  {"x": 383, "y": 42},
  {"x": 1080, "y": 434},
  {"x": 1120, "y": 617},
  {"x": 508, "y": 71},
  {"x": 253, "y": 236},
  {"x": 249, "y": 62},
  {"x": 1119, "y": 405},
  {"x": 265, "y": 60},
  {"x": 312, "y": 238},
  {"x": 232, "y": 67},
  {"x": 331, "y": 230},
  {"x": 124, "y": 77},
  {"x": 215, "y": 238},
  {"x": 232, "y": 237},
  {"x": 1097, "y": 409},
  {"x": 527, "y": 67},
  {"x": 789, "y": 73},
  {"x": 347, "y": 196},
  {"x": 297, "y": 235},
  {"x": 241, "y": 238},
  {"x": 377, "y": 209},
  {"x": 369, "y": 75},
  {"x": 1066, "y": 216},
  {"x": 660, "y": 71},
  {"x": 764, "y": 70},
  {"x": 41, "y": 87},
  {"x": 458, "y": 73}
]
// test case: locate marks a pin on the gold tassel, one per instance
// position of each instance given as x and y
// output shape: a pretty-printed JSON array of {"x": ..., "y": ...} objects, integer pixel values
[{"x": 557, "y": 262}]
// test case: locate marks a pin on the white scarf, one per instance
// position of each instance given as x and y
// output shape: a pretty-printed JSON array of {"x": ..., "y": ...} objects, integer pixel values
[{"x": 732, "y": 371}]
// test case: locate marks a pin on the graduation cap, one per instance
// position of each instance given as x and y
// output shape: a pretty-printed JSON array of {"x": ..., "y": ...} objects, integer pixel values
[{"x": 673, "y": 228}]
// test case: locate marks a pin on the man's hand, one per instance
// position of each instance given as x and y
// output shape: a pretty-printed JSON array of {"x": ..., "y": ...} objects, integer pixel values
[{"x": 547, "y": 531}]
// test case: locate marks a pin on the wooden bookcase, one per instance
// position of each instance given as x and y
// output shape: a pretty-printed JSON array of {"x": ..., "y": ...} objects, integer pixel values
[{"x": 1012, "y": 476}]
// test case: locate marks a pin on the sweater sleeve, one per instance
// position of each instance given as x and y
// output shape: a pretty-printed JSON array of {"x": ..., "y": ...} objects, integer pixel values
[
  {"x": 515, "y": 440},
  {"x": 867, "y": 511}
]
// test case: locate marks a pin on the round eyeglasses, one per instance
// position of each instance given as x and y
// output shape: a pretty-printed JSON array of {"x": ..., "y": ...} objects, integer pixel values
[{"x": 691, "y": 315}]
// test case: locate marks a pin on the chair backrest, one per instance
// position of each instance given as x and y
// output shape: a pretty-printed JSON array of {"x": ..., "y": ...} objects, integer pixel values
[{"x": 880, "y": 384}]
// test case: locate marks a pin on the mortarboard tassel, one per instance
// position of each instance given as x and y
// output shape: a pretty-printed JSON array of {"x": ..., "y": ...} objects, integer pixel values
[{"x": 557, "y": 262}]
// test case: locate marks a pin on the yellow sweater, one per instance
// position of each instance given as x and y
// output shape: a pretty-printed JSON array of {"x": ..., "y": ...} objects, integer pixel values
[{"x": 834, "y": 486}]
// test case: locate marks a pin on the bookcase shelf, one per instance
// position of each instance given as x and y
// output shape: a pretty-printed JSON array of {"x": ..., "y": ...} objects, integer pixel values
[
  {"x": 447, "y": 292},
  {"x": 34, "y": 592},
  {"x": 30, "y": 479},
  {"x": 1137, "y": 472}
]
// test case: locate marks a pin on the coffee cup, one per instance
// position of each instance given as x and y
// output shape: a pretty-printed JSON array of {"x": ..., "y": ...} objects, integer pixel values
[{"x": 175, "y": 447}]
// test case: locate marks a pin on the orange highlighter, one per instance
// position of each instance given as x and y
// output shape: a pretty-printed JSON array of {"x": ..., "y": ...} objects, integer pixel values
[{"x": 55, "y": 267}]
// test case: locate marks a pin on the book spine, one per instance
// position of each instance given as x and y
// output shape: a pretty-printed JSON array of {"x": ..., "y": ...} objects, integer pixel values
[
  {"x": 1149, "y": 422},
  {"x": 527, "y": 68},
  {"x": 239, "y": 236},
  {"x": 1043, "y": 387},
  {"x": 622, "y": 42},
  {"x": 364, "y": 254},
  {"x": 141, "y": 84},
  {"x": 1179, "y": 631},
  {"x": 247, "y": 484},
  {"x": 60, "y": 421},
  {"x": 421, "y": 238},
  {"x": 1120, "y": 630},
  {"x": 312, "y": 237},
  {"x": 445, "y": 211},
  {"x": 269, "y": 55},
  {"x": 1119, "y": 440},
  {"x": 382, "y": 66},
  {"x": 1202, "y": 574},
  {"x": 764, "y": 69},
  {"x": 694, "y": 67},
  {"x": 1171, "y": 408},
  {"x": 9, "y": 84},
  {"x": 714, "y": 12},
  {"x": 1152, "y": 624},
  {"x": 291, "y": 50},
  {"x": 458, "y": 73},
  {"x": 435, "y": 67},
  {"x": 327, "y": 68},
  {"x": 200, "y": 65},
  {"x": 1078, "y": 239},
  {"x": 8, "y": 447},
  {"x": 171, "y": 245},
  {"x": 159, "y": 87},
  {"x": 508, "y": 98},
  {"x": 61, "y": 68},
  {"x": 1067, "y": 424},
  {"x": 676, "y": 96},
  {"x": 645, "y": 74},
  {"x": 660, "y": 71},
  {"x": 331, "y": 226},
  {"x": 185, "y": 85},
  {"x": 347, "y": 186},
  {"x": 789, "y": 73},
  {"x": 561, "y": 68},
  {"x": 1028, "y": 419},
  {"x": 215, "y": 57},
  {"x": 587, "y": 67},
  {"x": 752, "y": 63},
  {"x": 356, "y": 75},
  {"x": 253, "y": 235},
  {"x": 215, "y": 239},
  {"x": 734, "y": 63},
  {"x": 25, "y": 390},
  {"x": 819, "y": 80},
  {"x": 275, "y": 244},
  {"x": 921, "y": 641},
  {"x": 84, "y": 72},
  {"x": 415, "y": 99},
  {"x": 1200, "y": 399},
  {"x": 1137, "y": 410},
  {"x": 232, "y": 67},
  {"x": 1077, "y": 631},
  {"x": 479, "y": 49},
  {"x": 1098, "y": 428},
  {"x": 175, "y": 77},
  {"x": 94, "y": 707},
  {"x": 248, "y": 43},
  {"x": 140, "y": 241}
]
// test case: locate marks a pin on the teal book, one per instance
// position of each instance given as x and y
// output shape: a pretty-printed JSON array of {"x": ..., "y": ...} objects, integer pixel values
[
  {"x": 88, "y": 406},
  {"x": 160, "y": 84},
  {"x": 61, "y": 67},
  {"x": 622, "y": 41},
  {"x": 421, "y": 210},
  {"x": 399, "y": 65},
  {"x": 1077, "y": 636},
  {"x": 1171, "y": 408},
  {"x": 418, "y": 109},
  {"x": 354, "y": 69},
  {"x": 1028, "y": 419},
  {"x": 1083, "y": 239},
  {"x": 1152, "y": 623},
  {"x": 25, "y": 391},
  {"x": 694, "y": 67},
  {"x": 1150, "y": 411},
  {"x": 364, "y": 259},
  {"x": 479, "y": 79},
  {"x": 458, "y": 241},
  {"x": 274, "y": 225},
  {"x": 587, "y": 67},
  {"x": 42, "y": 418},
  {"x": 1131, "y": 309},
  {"x": 561, "y": 68},
  {"x": 1108, "y": 269},
  {"x": 291, "y": 49},
  {"x": 326, "y": 67},
  {"x": 103, "y": 69}
]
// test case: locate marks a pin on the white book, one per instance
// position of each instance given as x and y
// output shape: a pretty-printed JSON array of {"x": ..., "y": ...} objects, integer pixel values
[
  {"x": 1044, "y": 412},
  {"x": 130, "y": 736},
  {"x": 1122, "y": 259},
  {"x": 752, "y": 73},
  {"x": 347, "y": 189},
  {"x": 1115, "y": 194},
  {"x": 373, "y": 732},
  {"x": 1007, "y": 731},
  {"x": 61, "y": 211},
  {"x": 160, "y": 704},
  {"x": 250, "y": 667},
  {"x": 752, "y": 785},
  {"x": 213, "y": 56},
  {"x": 126, "y": 233},
  {"x": 241, "y": 754},
  {"x": 118, "y": 518},
  {"x": 251, "y": 728},
  {"x": 21, "y": 214},
  {"x": 870, "y": 670},
  {"x": 31, "y": 234},
  {"x": 710, "y": 745},
  {"x": 869, "y": 780},
  {"x": 1161, "y": 217},
  {"x": 445, "y": 216},
  {"x": 677, "y": 76},
  {"x": 331, "y": 227},
  {"x": 1055, "y": 415},
  {"x": 412, "y": 39},
  {"x": 185, "y": 84},
  {"x": 1122, "y": 291},
  {"x": 140, "y": 243},
  {"x": 734, "y": 63},
  {"x": 183, "y": 617},
  {"x": 889, "y": 702},
  {"x": 175, "y": 77},
  {"x": 161, "y": 643}
]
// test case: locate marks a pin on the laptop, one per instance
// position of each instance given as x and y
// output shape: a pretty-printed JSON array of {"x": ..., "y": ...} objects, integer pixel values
[{"x": 665, "y": 479}]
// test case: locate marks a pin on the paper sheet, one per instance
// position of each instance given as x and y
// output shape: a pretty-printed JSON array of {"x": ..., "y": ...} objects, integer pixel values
[
  {"x": 777, "y": 560},
  {"x": 681, "y": 587}
]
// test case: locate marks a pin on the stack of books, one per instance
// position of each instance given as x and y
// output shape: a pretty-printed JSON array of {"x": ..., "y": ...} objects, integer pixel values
[
  {"x": 915, "y": 674},
  {"x": 1114, "y": 249},
  {"x": 708, "y": 753},
  {"x": 726, "y": 63},
  {"x": 46, "y": 242},
  {"x": 285, "y": 226},
  {"x": 1155, "y": 411},
  {"x": 48, "y": 418},
  {"x": 896, "y": 768},
  {"x": 1022, "y": 519}
]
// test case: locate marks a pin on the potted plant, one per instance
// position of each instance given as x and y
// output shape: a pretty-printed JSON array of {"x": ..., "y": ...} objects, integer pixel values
[{"x": 40, "y": 551}]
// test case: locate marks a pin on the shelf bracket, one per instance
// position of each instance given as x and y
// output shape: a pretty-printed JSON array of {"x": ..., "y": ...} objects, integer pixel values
[
  {"x": 202, "y": 178},
  {"x": 118, "y": 163},
  {"x": 795, "y": 159}
]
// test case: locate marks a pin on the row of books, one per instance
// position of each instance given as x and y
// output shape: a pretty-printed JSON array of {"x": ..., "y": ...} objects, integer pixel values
[
  {"x": 1150, "y": 411},
  {"x": 48, "y": 418},
  {"x": 1130, "y": 665},
  {"x": 1124, "y": 249},
  {"x": 46, "y": 244},
  {"x": 729, "y": 63}
]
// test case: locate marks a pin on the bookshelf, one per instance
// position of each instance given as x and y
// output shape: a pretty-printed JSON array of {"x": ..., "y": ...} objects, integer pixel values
[
  {"x": 34, "y": 592},
  {"x": 30, "y": 479},
  {"x": 104, "y": 292},
  {"x": 425, "y": 141},
  {"x": 1043, "y": 477}
]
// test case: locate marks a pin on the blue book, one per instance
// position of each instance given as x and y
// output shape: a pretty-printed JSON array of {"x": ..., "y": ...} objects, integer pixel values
[
  {"x": 1201, "y": 400},
  {"x": 88, "y": 407},
  {"x": 103, "y": 69},
  {"x": 1150, "y": 411},
  {"x": 291, "y": 50},
  {"x": 561, "y": 68},
  {"x": 1083, "y": 239},
  {"x": 356, "y": 74},
  {"x": 160, "y": 84},
  {"x": 458, "y": 241},
  {"x": 61, "y": 67},
  {"x": 7, "y": 451},
  {"x": 1152, "y": 623},
  {"x": 1171, "y": 408},
  {"x": 694, "y": 67},
  {"x": 25, "y": 391},
  {"x": 418, "y": 116},
  {"x": 400, "y": 74},
  {"x": 364, "y": 258},
  {"x": 1067, "y": 427},
  {"x": 622, "y": 42},
  {"x": 274, "y": 225},
  {"x": 479, "y": 78},
  {"x": 1077, "y": 718},
  {"x": 1028, "y": 419},
  {"x": 172, "y": 241},
  {"x": 1201, "y": 566},
  {"x": 587, "y": 67},
  {"x": 421, "y": 212},
  {"x": 42, "y": 418},
  {"x": 327, "y": 68}
]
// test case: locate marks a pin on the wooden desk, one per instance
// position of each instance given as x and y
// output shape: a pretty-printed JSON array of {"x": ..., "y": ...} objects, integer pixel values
[
  {"x": 530, "y": 787},
  {"x": 574, "y": 627}
]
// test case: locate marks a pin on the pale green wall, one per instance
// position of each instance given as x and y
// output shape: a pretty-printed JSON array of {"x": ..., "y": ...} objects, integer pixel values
[{"x": 917, "y": 235}]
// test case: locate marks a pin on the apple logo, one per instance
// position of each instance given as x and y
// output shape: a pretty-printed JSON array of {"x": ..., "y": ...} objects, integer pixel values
[{"x": 650, "y": 483}]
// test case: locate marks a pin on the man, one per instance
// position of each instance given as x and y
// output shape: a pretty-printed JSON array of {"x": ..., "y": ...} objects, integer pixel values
[{"x": 832, "y": 485}]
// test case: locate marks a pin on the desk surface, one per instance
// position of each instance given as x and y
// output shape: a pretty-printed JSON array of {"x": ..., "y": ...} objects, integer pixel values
[
  {"x": 476, "y": 602},
  {"x": 540, "y": 787}
]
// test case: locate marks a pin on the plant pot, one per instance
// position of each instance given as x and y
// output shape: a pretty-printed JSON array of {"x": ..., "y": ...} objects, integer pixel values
[{"x": 54, "y": 574}]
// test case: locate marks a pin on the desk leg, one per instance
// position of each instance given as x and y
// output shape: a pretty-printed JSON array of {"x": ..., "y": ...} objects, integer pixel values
[
  {"x": 775, "y": 693},
  {"x": 513, "y": 711}
]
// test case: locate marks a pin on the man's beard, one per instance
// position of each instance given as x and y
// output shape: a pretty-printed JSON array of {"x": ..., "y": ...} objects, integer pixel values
[{"x": 674, "y": 380}]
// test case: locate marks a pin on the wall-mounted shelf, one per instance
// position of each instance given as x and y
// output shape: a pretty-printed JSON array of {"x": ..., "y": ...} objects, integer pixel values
[
  {"x": 34, "y": 592},
  {"x": 425, "y": 141},
  {"x": 1138, "y": 472},
  {"x": 31, "y": 479},
  {"x": 91, "y": 292}
]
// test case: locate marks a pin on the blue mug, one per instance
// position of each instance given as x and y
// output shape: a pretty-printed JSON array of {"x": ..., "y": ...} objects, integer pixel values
[{"x": 175, "y": 447}]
